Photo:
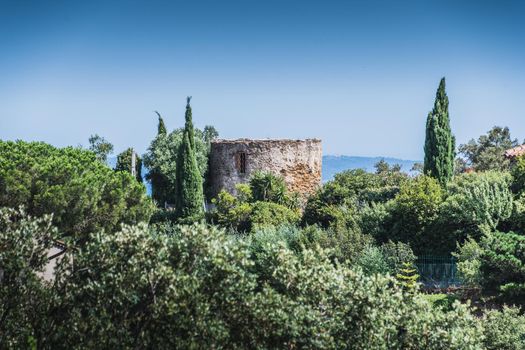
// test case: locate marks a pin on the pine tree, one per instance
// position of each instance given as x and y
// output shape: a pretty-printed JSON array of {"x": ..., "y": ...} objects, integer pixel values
[
  {"x": 439, "y": 141},
  {"x": 161, "y": 128},
  {"x": 189, "y": 192},
  {"x": 408, "y": 277}
]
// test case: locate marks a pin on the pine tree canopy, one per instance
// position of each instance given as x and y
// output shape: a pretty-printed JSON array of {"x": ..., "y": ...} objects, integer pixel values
[{"x": 439, "y": 141}]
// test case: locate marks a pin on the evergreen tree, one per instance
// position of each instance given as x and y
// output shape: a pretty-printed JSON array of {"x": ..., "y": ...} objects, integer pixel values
[
  {"x": 161, "y": 128},
  {"x": 408, "y": 277},
  {"x": 124, "y": 163},
  {"x": 159, "y": 183},
  {"x": 189, "y": 192},
  {"x": 439, "y": 142}
]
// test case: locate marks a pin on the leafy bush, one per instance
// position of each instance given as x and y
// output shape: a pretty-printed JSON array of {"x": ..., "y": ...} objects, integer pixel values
[
  {"x": 264, "y": 202},
  {"x": 441, "y": 301},
  {"x": 339, "y": 201},
  {"x": 372, "y": 261},
  {"x": 196, "y": 287},
  {"x": 83, "y": 194},
  {"x": 477, "y": 203},
  {"x": 518, "y": 176},
  {"x": 504, "y": 330},
  {"x": 268, "y": 187},
  {"x": 516, "y": 221},
  {"x": 413, "y": 212},
  {"x": 469, "y": 263},
  {"x": 272, "y": 214},
  {"x": 24, "y": 243},
  {"x": 375, "y": 219},
  {"x": 397, "y": 255},
  {"x": 340, "y": 245},
  {"x": 502, "y": 266}
]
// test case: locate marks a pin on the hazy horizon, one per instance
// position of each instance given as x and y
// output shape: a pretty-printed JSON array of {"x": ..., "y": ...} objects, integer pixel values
[{"x": 361, "y": 76}]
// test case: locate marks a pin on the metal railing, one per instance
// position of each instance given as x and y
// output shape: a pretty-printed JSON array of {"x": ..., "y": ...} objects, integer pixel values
[{"x": 437, "y": 271}]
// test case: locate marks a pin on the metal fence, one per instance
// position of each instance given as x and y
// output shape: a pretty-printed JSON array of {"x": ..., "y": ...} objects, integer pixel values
[{"x": 437, "y": 271}]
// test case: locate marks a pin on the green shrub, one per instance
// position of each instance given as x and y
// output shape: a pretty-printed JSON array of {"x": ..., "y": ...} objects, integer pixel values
[
  {"x": 375, "y": 219},
  {"x": 476, "y": 203},
  {"x": 516, "y": 221},
  {"x": 504, "y": 330},
  {"x": 372, "y": 261},
  {"x": 272, "y": 214},
  {"x": 397, "y": 255},
  {"x": 518, "y": 176},
  {"x": 196, "y": 287},
  {"x": 339, "y": 201},
  {"x": 502, "y": 266},
  {"x": 232, "y": 212},
  {"x": 24, "y": 300},
  {"x": 414, "y": 211},
  {"x": 268, "y": 187},
  {"x": 441, "y": 301},
  {"x": 469, "y": 263}
]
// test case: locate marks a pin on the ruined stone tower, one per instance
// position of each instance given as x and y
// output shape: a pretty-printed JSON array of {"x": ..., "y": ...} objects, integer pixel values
[{"x": 297, "y": 161}]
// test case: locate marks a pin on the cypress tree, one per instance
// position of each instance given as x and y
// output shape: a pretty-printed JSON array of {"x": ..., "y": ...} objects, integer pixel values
[
  {"x": 439, "y": 141},
  {"x": 159, "y": 183},
  {"x": 189, "y": 192},
  {"x": 161, "y": 127},
  {"x": 188, "y": 124}
]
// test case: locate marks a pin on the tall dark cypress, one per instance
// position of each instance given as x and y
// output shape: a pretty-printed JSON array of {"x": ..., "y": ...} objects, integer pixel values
[
  {"x": 439, "y": 141},
  {"x": 160, "y": 186},
  {"x": 161, "y": 127},
  {"x": 189, "y": 192}
]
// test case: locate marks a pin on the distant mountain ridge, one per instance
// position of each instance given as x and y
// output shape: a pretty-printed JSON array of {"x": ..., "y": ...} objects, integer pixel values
[{"x": 335, "y": 164}]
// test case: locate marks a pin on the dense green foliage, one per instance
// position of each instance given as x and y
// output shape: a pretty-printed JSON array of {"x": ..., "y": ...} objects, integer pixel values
[
  {"x": 101, "y": 147},
  {"x": 265, "y": 201},
  {"x": 124, "y": 163},
  {"x": 338, "y": 201},
  {"x": 161, "y": 161},
  {"x": 439, "y": 141},
  {"x": 24, "y": 243},
  {"x": 487, "y": 152},
  {"x": 502, "y": 266},
  {"x": 272, "y": 270},
  {"x": 477, "y": 203},
  {"x": 196, "y": 287},
  {"x": 518, "y": 176},
  {"x": 81, "y": 193},
  {"x": 413, "y": 212},
  {"x": 189, "y": 195}
]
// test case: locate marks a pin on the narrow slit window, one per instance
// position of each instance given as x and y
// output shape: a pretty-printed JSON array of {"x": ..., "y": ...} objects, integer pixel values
[{"x": 242, "y": 163}]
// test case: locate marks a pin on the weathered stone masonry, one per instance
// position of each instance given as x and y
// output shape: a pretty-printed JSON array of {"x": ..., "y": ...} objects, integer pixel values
[{"x": 298, "y": 161}]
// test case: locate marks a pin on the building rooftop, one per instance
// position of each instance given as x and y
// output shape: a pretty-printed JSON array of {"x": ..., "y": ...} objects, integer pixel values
[{"x": 515, "y": 152}]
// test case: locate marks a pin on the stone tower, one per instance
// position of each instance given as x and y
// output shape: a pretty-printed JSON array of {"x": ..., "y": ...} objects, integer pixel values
[{"x": 297, "y": 161}]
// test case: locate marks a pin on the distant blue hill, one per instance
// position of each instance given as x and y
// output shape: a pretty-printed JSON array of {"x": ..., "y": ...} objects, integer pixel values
[
  {"x": 335, "y": 164},
  {"x": 331, "y": 165}
]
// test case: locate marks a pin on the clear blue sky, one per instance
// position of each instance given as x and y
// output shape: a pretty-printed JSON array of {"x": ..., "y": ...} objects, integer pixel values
[{"x": 360, "y": 75}]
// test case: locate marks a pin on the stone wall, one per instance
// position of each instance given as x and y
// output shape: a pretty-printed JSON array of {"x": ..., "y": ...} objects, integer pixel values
[{"x": 233, "y": 161}]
